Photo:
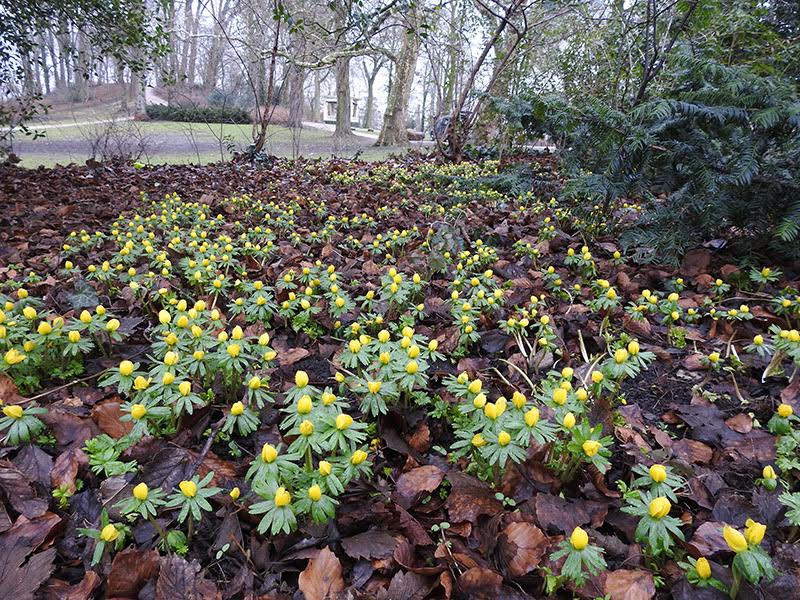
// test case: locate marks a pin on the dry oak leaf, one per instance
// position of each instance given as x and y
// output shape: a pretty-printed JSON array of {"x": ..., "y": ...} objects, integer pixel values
[
  {"x": 130, "y": 571},
  {"x": 422, "y": 480},
  {"x": 522, "y": 546},
  {"x": 180, "y": 579},
  {"x": 630, "y": 585},
  {"x": 322, "y": 578}
]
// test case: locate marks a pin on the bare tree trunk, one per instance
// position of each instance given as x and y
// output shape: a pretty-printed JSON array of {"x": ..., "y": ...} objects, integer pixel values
[
  {"x": 394, "y": 130},
  {"x": 191, "y": 68},
  {"x": 343, "y": 108},
  {"x": 370, "y": 75},
  {"x": 315, "y": 101}
]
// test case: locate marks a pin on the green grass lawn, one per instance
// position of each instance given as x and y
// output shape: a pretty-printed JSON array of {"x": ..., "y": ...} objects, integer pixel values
[{"x": 173, "y": 142}]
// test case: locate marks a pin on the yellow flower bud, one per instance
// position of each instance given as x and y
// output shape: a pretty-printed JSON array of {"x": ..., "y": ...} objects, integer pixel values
[
  {"x": 188, "y": 488},
  {"x": 703, "y": 568},
  {"x": 560, "y": 396},
  {"x": 713, "y": 357},
  {"x": 785, "y": 411},
  {"x": 768, "y": 472},
  {"x": 233, "y": 350},
  {"x": 269, "y": 453},
  {"x": 412, "y": 367},
  {"x": 235, "y": 493},
  {"x": 109, "y": 533},
  {"x": 343, "y": 421},
  {"x": 314, "y": 493},
  {"x": 519, "y": 400},
  {"x": 569, "y": 420},
  {"x": 185, "y": 388},
  {"x": 44, "y": 328},
  {"x": 597, "y": 376},
  {"x": 620, "y": 356},
  {"x": 13, "y": 411},
  {"x": 237, "y": 409},
  {"x": 306, "y": 428},
  {"x": 301, "y": 379},
  {"x": 736, "y": 541},
  {"x": 658, "y": 473},
  {"x": 305, "y": 405},
  {"x": 532, "y": 417},
  {"x": 126, "y": 368},
  {"x": 503, "y": 438},
  {"x": 324, "y": 468},
  {"x": 478, "y": 441},
  {"x": 579, "y": 539},
  {"x": 659, "y": 507},
  {"x": 754, "y": 532},
  {"x": 282, "y": 497},
  {"x": 140, "y": 492},
  {"x": 359, "y": 456},
  {"x": 475, "y": 386},
  {"x": 591, "y": 447}
]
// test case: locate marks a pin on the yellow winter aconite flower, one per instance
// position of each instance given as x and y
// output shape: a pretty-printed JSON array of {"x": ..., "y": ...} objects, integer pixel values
[
  {"x": 306, "y": 428},
  {"x": 314, "y": 493},
  {"x": 490, "y": 411},
  {"x": 29, "y": 313},
  {"x": 785, "y": 411},
  {"x": 579, "y": 539},
  {"x": 185, "y": 388},
  {"x": 138, "y": 411},
  {"x": 235, "y": 493},
  {"x": 305, "y": 405},
  {"x": 703, "y": 568},
  {"x": 479, "y": 401},
  {"x": 374, "y": 387},
  {"x": 532, "y": 417},
  {"x": 324, "y": 468},
  {"x": 140, "y": 383},
  {"x": 109, "y": 533},
  {"x": 581, "y": 394},
  {"x": 475, "y": 387},
  {"x": 659, "y": 507},
  {"x": 237, "y": 408},
  {"x": 301, "y": 379},
  {"x": 343, "y": 421},
  {"x": 597, "y": 376},
  {"x": 140, "y": 492},
  {"x": 412, "y": 367},
  {"x": 503, "y": 438},
  {"x": 758, "y": 340},
  {"x": 569, "y": 420},
  {"x": 282, "y": 497},
  {"x": 170, "y": 359},
  {"x": 620, "y": 356},
  {"x": 188, "y": 488},
  {"x": 560, "y": 396},
  {"x": 591, "y": 447},
  {"x": 358, "y": 457},
  {"x": 126, "y": 368},
  {"x": 13, "y": 411},
  {"x": 658, "y": 473},
  {"x": 233, "y": 350},
  {"x": 269, "y": 453},
  {"x": 112, "y": 325},
  {"x": 519, "y": 400},
  {"x": 736, "y": 541},
  {"x": 754, "y": 532},
  {"x": 478, "y": 441},
  {"x": 44, "y": 328}
]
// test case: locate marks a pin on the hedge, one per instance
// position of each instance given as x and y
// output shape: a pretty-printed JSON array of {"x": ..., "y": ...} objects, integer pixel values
[{"x": 197, "y": 114}]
